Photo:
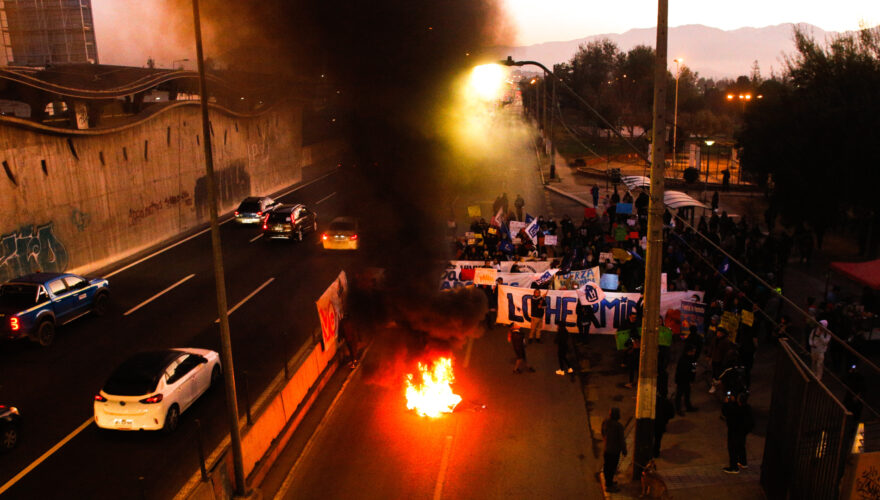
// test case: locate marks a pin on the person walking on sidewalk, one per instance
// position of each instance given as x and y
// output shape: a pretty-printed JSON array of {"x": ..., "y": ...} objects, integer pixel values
[
  {"x": 740, "y": 421},
  {"x": 615, "y": 445},
  {"x": 663, "y": 414},
  {"x": 565, "y": 365},
  {"x": 595, "y": 192},
  {"x": 519, "y": 203},
  {"x": 685, "y": 374},
  {"x": 516, "y": 339},
  {"x": 722, "y": 347},
  {"x": 819, "y": 340},
  {"x": 536, "y": 309}
]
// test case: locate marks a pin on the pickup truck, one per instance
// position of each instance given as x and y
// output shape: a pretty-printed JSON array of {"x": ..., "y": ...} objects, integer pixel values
[{"x": 31, "y": 306}]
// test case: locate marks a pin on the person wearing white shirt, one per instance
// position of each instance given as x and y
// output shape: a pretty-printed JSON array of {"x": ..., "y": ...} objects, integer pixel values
[{"x": 819, "y": 340}]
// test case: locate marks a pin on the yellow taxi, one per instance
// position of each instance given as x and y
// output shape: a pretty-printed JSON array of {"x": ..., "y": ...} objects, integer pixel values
[{"x": 342, "y": 234}]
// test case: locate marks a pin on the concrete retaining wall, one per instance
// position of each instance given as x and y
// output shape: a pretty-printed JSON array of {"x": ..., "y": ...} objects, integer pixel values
[{"x": 83, "y": 202}]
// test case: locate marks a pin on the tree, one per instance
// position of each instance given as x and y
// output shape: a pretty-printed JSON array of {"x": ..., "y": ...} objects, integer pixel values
[{"x": 818, "y": 134}]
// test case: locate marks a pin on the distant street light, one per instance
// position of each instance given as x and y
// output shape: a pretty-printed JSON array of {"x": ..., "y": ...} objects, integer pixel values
[
  {"x": 678, "y": 61},
  {"x": 743, "y": 98},
  {"x": 174, "y": 63},
  {"x": 709, "y": 143}
]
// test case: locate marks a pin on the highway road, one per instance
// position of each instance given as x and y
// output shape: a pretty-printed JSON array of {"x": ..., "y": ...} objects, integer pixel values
[{"x": 272, "y": 285}]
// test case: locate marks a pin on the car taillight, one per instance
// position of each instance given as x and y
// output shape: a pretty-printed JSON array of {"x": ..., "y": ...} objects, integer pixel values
[
  {"x": 99, "y": 398},
  {"x": 260, "y": 213},
  {"x": 266, "y": 225},
  {"x": 323, "y": 236},
  {"x": 236, "y": 213},
  {"x": 353, "y": 237},
  {"x": 14, "y": 324},
  {"x": 289, "y": 219},
  {"x": 152, "y": 399}
]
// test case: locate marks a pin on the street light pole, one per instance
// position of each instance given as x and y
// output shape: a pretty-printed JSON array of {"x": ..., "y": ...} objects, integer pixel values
[
  {"x": 647, "y": 391},
  {"x": 550, "y": 133},
  {"x": 219, "y": 280},
  {"x": 177, "y": 61},
  {"x": 678, "y": 61},
  {"x": 709, "y": 143}
]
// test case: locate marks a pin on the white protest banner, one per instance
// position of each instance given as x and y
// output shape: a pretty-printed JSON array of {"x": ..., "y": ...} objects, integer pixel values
[
  {"x": 452, "y": 276},
  {"x": 331, "y": 309},
  {"x": 515, "y": 227},
  {"x": 514, "y": 306},
  {"x": 522, "y": 280},
  {"x": 485, "y": 276},
  {"x": 576, "y": 279},
  {"x": 550, "y": 240},
  {"x": 527, "y": 266}
]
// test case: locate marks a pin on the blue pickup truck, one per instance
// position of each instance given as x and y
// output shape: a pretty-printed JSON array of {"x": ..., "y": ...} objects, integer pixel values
[{"x": 31, "y": 306}]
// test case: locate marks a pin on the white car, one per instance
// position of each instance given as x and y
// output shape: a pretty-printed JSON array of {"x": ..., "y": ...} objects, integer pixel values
[{"x": 150, "y": 390}]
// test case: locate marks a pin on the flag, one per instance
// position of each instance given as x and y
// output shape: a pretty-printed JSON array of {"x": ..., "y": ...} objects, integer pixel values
[
  {"x": 505, "y": 231},
  {"x": 545, "y": 278},
  {"x": 498, "y": 220},
  {"x": 532, "y": 228},
  {"x": 506, "y": 247},
  {"x": 590, "y": 294},
  {"x": 725, "y": 265}
]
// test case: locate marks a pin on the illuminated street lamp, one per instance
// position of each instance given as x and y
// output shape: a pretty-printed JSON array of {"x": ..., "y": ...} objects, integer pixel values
[
  {"x": 743, "y": 98},
  {"x": 678, "y": 62},
  {"x": 709, "y": 143}
]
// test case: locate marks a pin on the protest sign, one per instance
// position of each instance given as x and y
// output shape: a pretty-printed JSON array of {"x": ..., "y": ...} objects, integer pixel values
[
  {"x": 550, "y": 240},
  {"x": 608, "y": 281},
  {"x": 747, "y": 318},
  {"x": 459, "y": 273},
  {"x": 620, "y": 254},
  {"x": 474, "y": 211},
  {"x": 492, "y": 230},
  {"x": 485, "y": 276},
  {"x": 730, "y": 322},
  {"x": 516, "y": 226},
  {"x": 694, "y": 313},
  {"x": 527, "y": 266},
  {"x": 469, "y": 235},
  {"x": 576, "y": 279},
  {"x": 331, "y": 309},
  {"x": 624, "y": 208},
  {"x": 605, "y": 257}
]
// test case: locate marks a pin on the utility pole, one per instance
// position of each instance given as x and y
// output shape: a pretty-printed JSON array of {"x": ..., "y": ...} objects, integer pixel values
[
  {"x": 219, "y": 280},
  {"x": 550, "y": 133},
  {"x": 647, "y": 393}
]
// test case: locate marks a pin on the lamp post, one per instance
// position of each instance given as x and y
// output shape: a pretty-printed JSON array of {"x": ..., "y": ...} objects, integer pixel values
[
  {"x": 219, "y": 279},
  {"x": 174, "y": 63},
  {"x": 678, "y": 62}
]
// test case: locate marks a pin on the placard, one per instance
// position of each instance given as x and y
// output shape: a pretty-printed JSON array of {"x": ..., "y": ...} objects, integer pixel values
[
  {"x": 474, "y": 211},
  {"x": 485, "y": 276},
  {"x": 550, "y": 240},
  {"x": 605, "y": 257}
]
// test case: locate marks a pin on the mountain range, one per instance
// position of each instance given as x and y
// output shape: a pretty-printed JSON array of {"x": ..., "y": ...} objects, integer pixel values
[{"x": 711, "y": 52}]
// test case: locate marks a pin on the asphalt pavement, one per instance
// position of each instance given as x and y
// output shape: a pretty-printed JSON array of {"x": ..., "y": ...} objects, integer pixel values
[{"x": 63, "y": 455}]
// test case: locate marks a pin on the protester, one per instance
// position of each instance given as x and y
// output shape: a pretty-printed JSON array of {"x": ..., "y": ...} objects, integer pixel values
[
  {"x": 740, "y": 421},
  {"x": 595, "y": 192},
  {"x": 585, "y": 317},
  {"x": 615, "y": 445},
  {"x": 719, "y": 353},
  {"x": 819, "y": 339},
  {"x": 663, "y": 413},
  {"x": 565, "y": 365},
  {"x": 519, "y": 203},
  {"x": 685, "y": 374},
  {"x": 515, "y": 337},
  {"x": 537, "y": 307}
]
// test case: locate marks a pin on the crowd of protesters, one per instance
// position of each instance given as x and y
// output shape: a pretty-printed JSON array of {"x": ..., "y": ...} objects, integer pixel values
[{"x": 742, "y": 309}]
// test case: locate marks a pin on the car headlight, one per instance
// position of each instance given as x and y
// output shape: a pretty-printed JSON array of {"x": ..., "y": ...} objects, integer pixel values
[{"x": 14, "y": 410}]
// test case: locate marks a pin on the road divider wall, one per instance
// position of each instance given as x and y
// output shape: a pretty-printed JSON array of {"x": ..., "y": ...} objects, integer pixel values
[{"x": 82, "y": 202}]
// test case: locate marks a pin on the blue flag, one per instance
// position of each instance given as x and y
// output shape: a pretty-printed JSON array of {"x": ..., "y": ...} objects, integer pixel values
[
  {"x": 506, "y": 247},
  {"x": 725, "y": 265}
]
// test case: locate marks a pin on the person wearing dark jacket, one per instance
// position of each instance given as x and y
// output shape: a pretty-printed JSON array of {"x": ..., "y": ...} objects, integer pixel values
[
  {"x": 615, "y": 444},
  {"x": 565, "y": 365},
  {"x": 685, "y": 374},
  {"x": 663, "y": 414},
  {"x": 740, "y": 421},
  {"x": 719, "y": 353},
  {"x": 585, "y": 317}
]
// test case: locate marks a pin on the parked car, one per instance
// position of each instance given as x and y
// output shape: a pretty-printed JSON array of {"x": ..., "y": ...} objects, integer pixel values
[
  {"x": 10, "y": 425},
  {"x": 254, "y": 209},
  {"x": 150, "y": 390},
  {"x": 342, "y": 234},
  {"x": 31, "y": 306},
  {"x": 290, "y": 222}
]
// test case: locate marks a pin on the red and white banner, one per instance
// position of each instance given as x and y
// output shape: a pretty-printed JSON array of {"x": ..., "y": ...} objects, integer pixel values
[{"x": 331, "y": 309}]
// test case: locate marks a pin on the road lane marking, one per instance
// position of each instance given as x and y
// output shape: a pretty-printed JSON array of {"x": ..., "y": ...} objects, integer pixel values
[
  {"x": 467, "y": 352},
  {"x": 44, "y": 456},
  {"x": 322, "y": 200},
  {"x": 249, "y": 297},
  {"x": 154, "y": 297},
  {"x": 255, "y": 238},
  {"x": 313, "y": 439},
  {"x": 203, "y": 231},
  {"x": 444, "y": 464}
]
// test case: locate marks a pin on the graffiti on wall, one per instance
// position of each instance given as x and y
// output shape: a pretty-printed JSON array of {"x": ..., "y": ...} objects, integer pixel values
[
  {"x": 136, "y": 215},
  {"x": 29, "y": 249},
  {"x": 233, "y": 184},
  {"x": 80, "y": 219}
]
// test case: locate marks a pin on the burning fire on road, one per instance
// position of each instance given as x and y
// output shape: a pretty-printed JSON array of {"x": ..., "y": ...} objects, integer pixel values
[{"x": 432, "y": 395}]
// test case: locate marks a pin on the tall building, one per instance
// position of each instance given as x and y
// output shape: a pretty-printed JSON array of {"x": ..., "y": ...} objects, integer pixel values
[{"x": 44, "y": 32}]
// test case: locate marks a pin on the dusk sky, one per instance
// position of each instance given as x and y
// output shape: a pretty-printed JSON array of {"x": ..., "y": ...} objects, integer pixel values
[{"x": 130, "y": 31}]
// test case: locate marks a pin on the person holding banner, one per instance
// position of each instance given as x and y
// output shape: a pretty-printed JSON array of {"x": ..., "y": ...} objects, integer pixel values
[{"x": 538, "y": 304}]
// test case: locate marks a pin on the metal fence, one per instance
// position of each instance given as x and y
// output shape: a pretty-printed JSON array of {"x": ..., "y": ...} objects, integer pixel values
[{"x": 805, "y": 447}]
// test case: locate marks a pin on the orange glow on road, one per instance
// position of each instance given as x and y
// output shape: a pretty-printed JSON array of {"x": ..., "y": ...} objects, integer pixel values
[{"x": 432, "y": 396}]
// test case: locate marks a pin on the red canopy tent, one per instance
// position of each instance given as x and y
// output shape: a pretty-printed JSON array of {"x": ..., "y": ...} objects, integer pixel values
[{"x": 867, "y": 273}]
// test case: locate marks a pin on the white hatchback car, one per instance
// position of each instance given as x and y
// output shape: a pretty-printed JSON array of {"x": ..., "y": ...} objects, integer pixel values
[{"x": 150, "y": 390}]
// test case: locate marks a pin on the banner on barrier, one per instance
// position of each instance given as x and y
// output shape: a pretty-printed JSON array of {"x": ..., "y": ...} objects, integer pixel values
[
  {"x": 514, "y": 306},
  {"x": 485, "y": 275},
  {"x": 576, "y": 279},
  {"x": 331, "y": 309}
]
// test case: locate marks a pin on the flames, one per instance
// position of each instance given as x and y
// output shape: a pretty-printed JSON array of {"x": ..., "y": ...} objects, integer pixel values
[{"x": 433, "y": 395}]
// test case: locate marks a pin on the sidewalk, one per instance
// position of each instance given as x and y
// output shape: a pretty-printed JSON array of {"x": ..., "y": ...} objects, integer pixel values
[{"x": 694, "y": 447}]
